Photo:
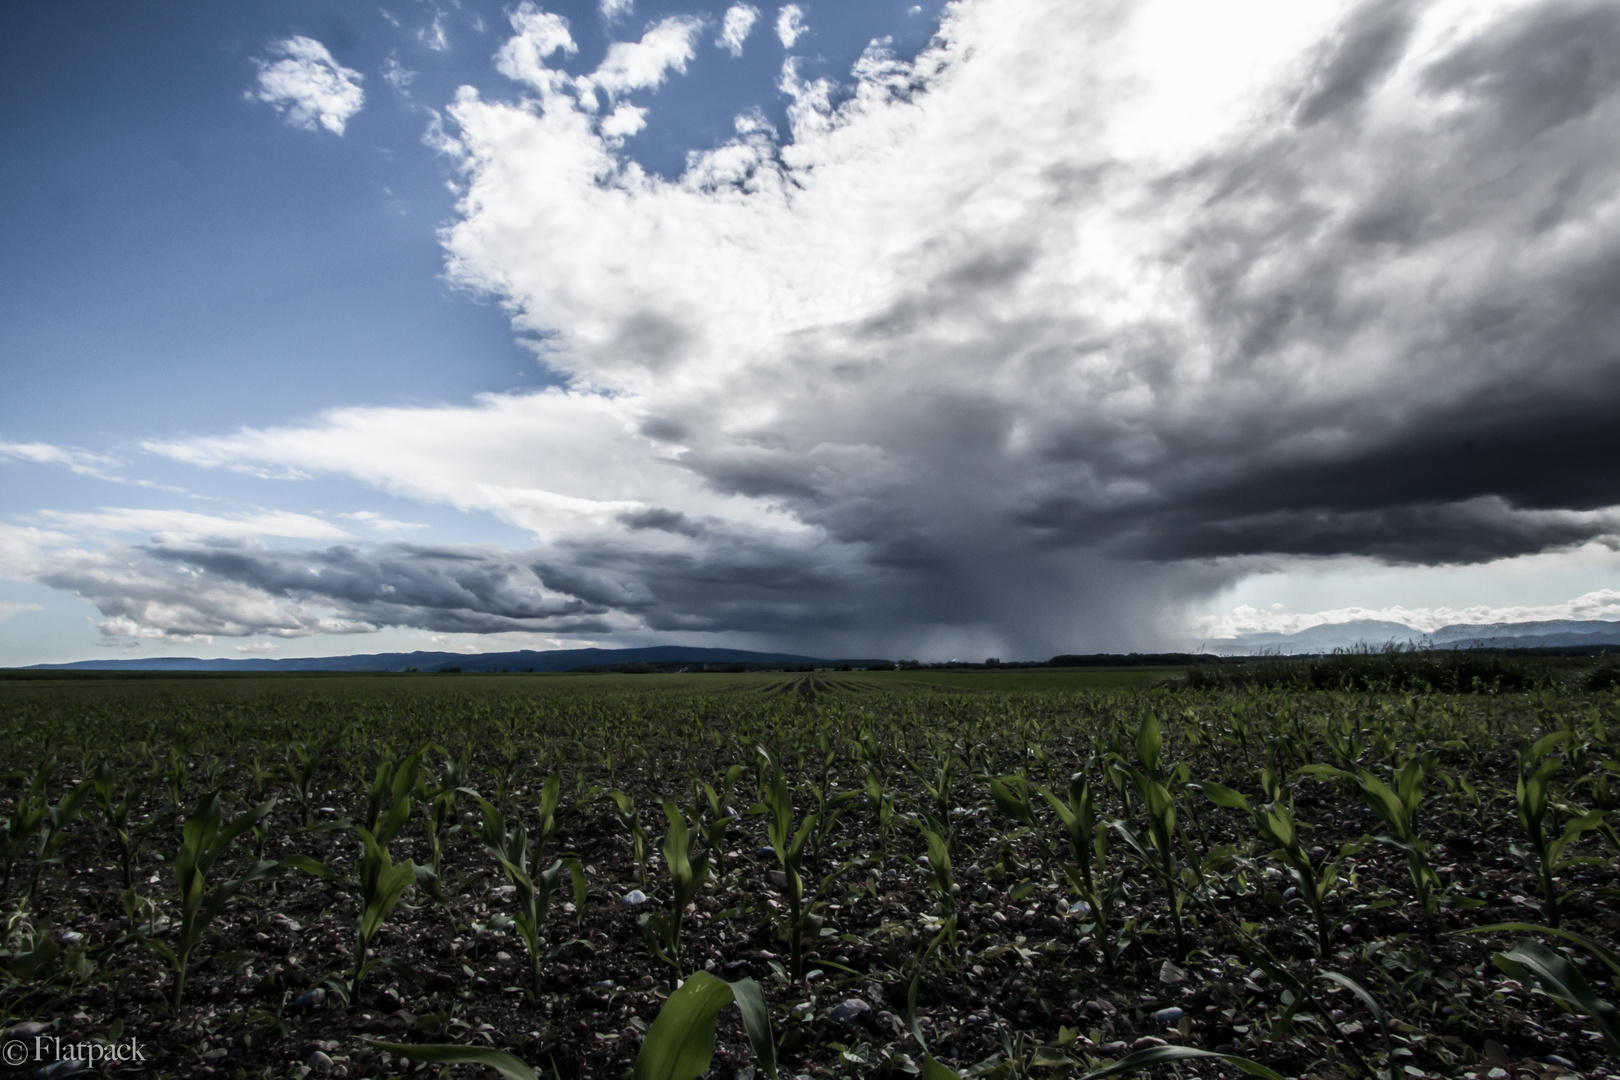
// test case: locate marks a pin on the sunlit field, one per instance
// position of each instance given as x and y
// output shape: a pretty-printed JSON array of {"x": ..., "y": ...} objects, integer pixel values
[{"x": 1008, "y": 873}]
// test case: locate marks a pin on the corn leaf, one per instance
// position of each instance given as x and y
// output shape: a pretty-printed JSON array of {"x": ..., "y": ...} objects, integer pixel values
[{"x": 450, "y": 1054}]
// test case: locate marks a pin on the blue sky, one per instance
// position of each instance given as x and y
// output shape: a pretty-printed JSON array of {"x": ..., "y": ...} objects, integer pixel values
[{"x": 1006, "y": 327}]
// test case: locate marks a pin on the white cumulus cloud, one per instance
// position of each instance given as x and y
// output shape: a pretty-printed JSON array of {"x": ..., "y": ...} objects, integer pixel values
[
  {"x": 736, "y": 26},
  {"x": 790, "y": 24},
  {"x": 307, "y": 86}
]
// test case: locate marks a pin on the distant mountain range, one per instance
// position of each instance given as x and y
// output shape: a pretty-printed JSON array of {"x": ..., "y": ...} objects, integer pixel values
[
  {"x": 526, "y": 660},
  {"x": 1552, "y": 634}
]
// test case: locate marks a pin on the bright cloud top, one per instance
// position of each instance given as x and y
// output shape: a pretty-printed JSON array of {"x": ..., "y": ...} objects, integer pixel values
[
  {"x": 737, "y": 25},
  {"x": 969, "y": 363},
  {"x": 309, "y": 87}
]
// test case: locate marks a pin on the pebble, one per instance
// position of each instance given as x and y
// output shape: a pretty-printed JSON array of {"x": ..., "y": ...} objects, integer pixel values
[
  {"x": 320, "y": 1062},
  {"x": 633, "y": 898},
  {"x": 1170, "y": 975},
  {"x": 1168, "y": 1016},
  {"x": 1290, "y": 893},
  {"x": 1559, "y": 1060},
  {"x": 27, "y": 1030},
  {"x": 1080, "y": 907},
  {"x": 1115, "y": 1047},
  {"x": 848, "y": 1011},
  {"x": 1146, "y": 1041},
  {"x": 309, "y": 999},
  {"x": 765, "y": 853},
  {"x": 605, "y": 984},
  {"x": 777, "y": 878}
]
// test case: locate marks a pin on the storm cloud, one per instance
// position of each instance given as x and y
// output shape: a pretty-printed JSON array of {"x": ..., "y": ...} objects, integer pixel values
[{"x": 974, "y": 359}]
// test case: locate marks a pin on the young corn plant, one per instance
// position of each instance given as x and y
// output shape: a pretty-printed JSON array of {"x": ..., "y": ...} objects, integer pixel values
[
  {"x": 882, "y": 804},
  {"x": 1157, "y": 849},
  {"x": 382, "y": 881},
  {"x": 52, "y": 830},
  {"x": 303, "y": 762},
  {"x": 1275, "y": 824},
  {"x": 624, "y": 808},
  {"x": 1546, "y": 854},
  {"x": 940, "y": 877},
  {"x": 719, "y": 815},
  {"x": 520, "y": 859},
  {"x": 688, "y": 868},
  {"x": 440, "y": 800},
  {"x": 26, "y": 818},
  {"x": 938, "y": 786},
  {"x": 115, "y": 815},
  {"x": 789, "y": 848},
  {"x": 204, "y": 838},
  {"x": 1398, "y": 807},
  {"x": 1087, "y": 845}
]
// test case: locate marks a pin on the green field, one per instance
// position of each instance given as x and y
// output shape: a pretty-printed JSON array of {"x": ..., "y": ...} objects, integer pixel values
[{"x": 989, "y": 873}]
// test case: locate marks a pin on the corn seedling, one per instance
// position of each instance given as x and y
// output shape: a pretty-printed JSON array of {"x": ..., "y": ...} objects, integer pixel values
[
  {"x": 1157, "y": 849},
  {"x": 1546, "y": 855},
  {"x": 624, "y": 808},
  {"x": 688, "y": 868},
  {"x": 382, "y": 881},
  {"x": 1275, "y": 824},
  {"x": 788, "y": 846},
  {"x": 26, "y": 818},
  {"x": 52, "y": 831},
  {"x": 203, "y": 839},
  {"x": 115, "y": 815},
  {"x": 520, "y": 861}
]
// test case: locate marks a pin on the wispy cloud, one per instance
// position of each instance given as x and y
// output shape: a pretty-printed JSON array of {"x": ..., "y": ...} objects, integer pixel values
[
  {"x": 379, "y": 523},
  {"x": 308, "y": 86},
  {"x": 735, "y": 28},
  {"x": 613, "y": 10},
  {"x": 8, "y": 608},
  {"x": 183, "y": 524},
  {"x": 82, "y": 462},
  {"x": 397, "y": 75}
]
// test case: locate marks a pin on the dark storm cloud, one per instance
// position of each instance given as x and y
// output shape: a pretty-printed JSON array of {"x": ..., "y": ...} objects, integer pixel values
[
  {"x": 972, "y": 375},
  {"x": 1501, "y": 378}
]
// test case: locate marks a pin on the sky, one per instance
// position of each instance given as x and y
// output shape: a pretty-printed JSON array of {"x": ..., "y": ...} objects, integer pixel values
[{"x": 985, "y": 328}]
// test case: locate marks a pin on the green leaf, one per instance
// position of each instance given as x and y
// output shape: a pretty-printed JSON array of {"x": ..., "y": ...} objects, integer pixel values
[
  {"x": 933, "y": 1070},
  {"x": 680, "y": 1043},
  {"x": 1602, "y": 953},
  {"x": 1223, "y": 796},
  {"x": 448, "y": 1054},
  {"x": 1148, "y": 744},
  {"x": 306, "y": 864},
  {"x": 1160, "y": 1055},
  {"x": 1561, "y": 980},
  {"x": 756, "y": 1016}
]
